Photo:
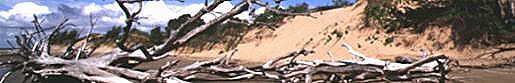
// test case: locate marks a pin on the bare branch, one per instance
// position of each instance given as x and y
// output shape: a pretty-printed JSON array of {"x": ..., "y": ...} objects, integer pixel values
[
  {"x": 61, "y": 25},
  {"x": 131, "y": 17},
  {"x": 207, "y": 9},
  {"x": 5, "y": 76},
  {"x": 37, "y": 26},
  {"x": 168, "y": 45},
  {"x": 268, "y": 65},
  {"x": 88, "y": 35},
  {"x": 10, "y": 43}
]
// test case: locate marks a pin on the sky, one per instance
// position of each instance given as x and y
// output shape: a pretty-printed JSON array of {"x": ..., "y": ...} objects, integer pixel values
[{"x": 16, "y": 15}]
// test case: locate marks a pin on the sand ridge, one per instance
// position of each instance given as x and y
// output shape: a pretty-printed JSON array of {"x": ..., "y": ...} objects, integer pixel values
[
  {"x": 313, "y": 33},
  {"x": 316, "y": 33}
]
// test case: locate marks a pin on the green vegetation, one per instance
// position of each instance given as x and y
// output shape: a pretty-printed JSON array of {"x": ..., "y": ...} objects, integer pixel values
[
  {"x": 301, "y": 8},
  {"x": 156, "y": 36},
  {"x": 175, "y": 23},
  {"x": 65, "y": 37},
  {"x": 113, "y": 32},
  {"x": 229, "y": 35},
  {"x": 336, "y": 4},
  {"x": 269, "y": 17},
  {"x": 338, "y": 34},
  {"x": 388, "y": 40},
  {"x": 474, "y": 22}
]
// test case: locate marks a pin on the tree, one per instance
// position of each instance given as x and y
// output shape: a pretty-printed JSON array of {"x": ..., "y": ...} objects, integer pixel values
[
  {"x": 113, "y": 32},
  {"x": 341, "y": 3},
  {"x": 156, "y": 36},
  {"x": 65, "y": 37},
  {"x": 269, "y": 17},
  {"x": 336, "y": 4},
  {"x": 303, "y": 7},
  {"x": 489, "y": 28},
  {"x": 173, "y": 24}
]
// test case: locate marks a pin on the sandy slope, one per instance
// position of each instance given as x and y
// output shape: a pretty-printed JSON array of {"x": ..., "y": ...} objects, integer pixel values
[
  {"x": 303, "y": 32},
  {"x": 315, "y": 34}
]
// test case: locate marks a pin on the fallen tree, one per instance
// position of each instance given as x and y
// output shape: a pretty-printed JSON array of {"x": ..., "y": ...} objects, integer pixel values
[{"x": 39, "y": 62}]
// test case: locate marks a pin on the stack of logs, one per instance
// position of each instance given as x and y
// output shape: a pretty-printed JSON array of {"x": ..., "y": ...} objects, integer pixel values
[{"x": 363, "y": 69}]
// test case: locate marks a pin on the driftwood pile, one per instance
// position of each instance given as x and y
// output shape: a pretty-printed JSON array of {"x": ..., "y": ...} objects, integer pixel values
[
  {"x": 428, "y": 69},
  {"x": 284, "y": 69}
]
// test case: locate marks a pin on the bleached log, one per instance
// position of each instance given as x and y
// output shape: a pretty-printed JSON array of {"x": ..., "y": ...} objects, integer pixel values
[
  {"x": 426, "y": 63},
  {"x": 2, "y": 80},
  {"x": 269, "y": 64},
  {"x": 174, "y": 80},
  {"x": 128, "y": 72}
]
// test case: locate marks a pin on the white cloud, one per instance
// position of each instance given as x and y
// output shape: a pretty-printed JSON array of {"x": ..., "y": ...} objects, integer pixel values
[
  {"x": 144, "y": 28},
  {"x": 260, "y": 10},
  {"x": 191, "y": 9},
  {"x": 112, "y": 7},
  {"x": 108, "y": 13},
  {"x": 91, "y": 8},
  {"x": 224, "y": 8},
  {"x": 157, "y": 13},
  {"x": 4, "y": 14},
  {"x": 116, "y": 20},
  {"x": 243, "y": 15},
  {"x": 25, "y": 10}
]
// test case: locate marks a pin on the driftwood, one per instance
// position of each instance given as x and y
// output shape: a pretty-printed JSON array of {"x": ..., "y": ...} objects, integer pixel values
[
  {"x": 361, "y": 70},
  {"x": 39, "y": 63}
]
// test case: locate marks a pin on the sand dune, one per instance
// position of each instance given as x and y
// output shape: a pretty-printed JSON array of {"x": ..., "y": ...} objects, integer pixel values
[
  {"x": 313, "y": 33},
  {"x": 316, "y": 34}
]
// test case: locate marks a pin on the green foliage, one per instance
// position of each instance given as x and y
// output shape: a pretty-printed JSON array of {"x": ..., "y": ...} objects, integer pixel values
[
  {"x": 473, "y": 21},
  {"x": 336, "y": 4},
  {"x": 65, "y": 37},
  {"x": 301, "y": 8},
  {"x": 113, "y": 32},
  {"x": 156, "y": 36},
  {"x": 388, "y": 41},
  {"x": 175, "y": 24},
  {"x": 341, "y": 3},
  {"x": 227, "y": 34},
  {"x": 138, "y": 32},
  {"x": 269, "y": 17},
  {"x": 338, "y": 34},
  {"x": 323, "y": 8}
]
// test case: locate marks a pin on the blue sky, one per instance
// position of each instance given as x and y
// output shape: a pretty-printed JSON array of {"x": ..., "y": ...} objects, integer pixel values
[{"x": 16, "y": 15}]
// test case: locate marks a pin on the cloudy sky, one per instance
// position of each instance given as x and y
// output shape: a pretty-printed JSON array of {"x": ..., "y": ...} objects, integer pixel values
[{"x": 16, "y": 15}]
